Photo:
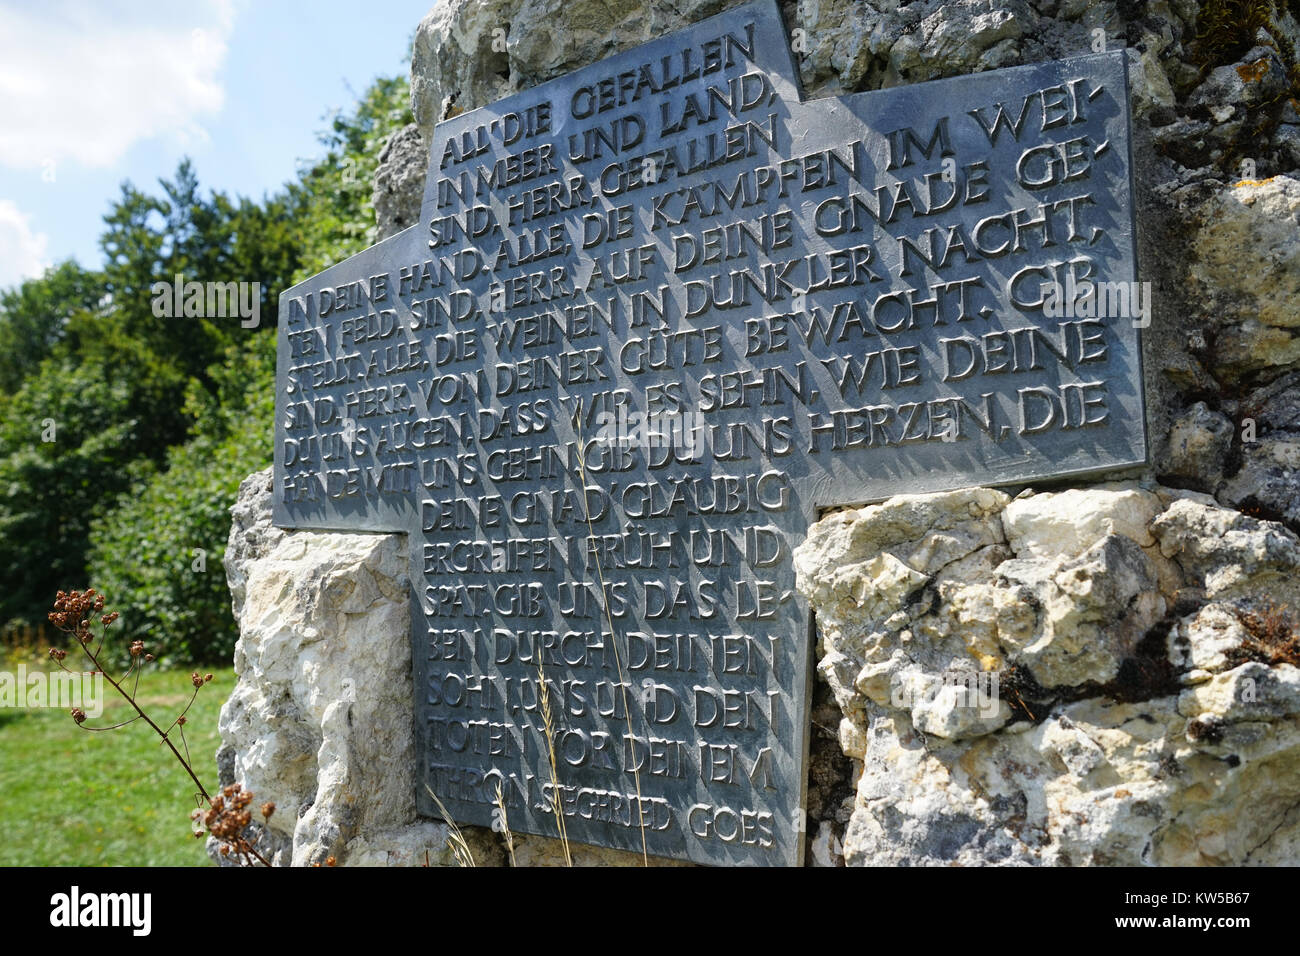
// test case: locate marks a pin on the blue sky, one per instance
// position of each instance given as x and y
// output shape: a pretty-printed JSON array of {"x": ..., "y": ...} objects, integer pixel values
[{"x": 92, "y": 94}]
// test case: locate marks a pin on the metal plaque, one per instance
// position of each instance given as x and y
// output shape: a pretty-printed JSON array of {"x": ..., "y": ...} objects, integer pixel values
[{"x": 654, "y": 315}]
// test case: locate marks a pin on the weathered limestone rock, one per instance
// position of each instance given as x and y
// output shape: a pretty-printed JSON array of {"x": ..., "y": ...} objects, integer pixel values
[
  {"x": 1241, "y": 313},
  {"x": 1199, "y": 444},
  {"x": 318, "y": 656},
  {"x": 1259, "y": 78},
  {"x": 1040, "y": 526},
  {"x": 1248, "y": 266},
  {"x": 399, "y": 181},
  {"x": 1268, "y": 481},
  {"x": 322, "y": 719},
  {"x": 1122, "y": 707},
  {"x": 1229, "y": 555}
]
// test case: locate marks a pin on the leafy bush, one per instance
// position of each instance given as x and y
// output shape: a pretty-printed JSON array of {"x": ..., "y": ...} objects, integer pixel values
[
  {"x": 158, "y": 554},
  {"x": 69, "y": 443}
]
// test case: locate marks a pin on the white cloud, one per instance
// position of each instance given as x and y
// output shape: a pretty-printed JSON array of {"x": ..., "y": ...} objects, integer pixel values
[
  {"x": 82, "y": 82},
  {"x": 22, "y": 252}
]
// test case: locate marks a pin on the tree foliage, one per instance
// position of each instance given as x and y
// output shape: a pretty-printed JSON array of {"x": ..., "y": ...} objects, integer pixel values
[
  {"x": 334, "y": 194},
  {"x": 160, "y": 551},
  {"x": 156, "y": 419},
  {"x": 35, "y": 315}
]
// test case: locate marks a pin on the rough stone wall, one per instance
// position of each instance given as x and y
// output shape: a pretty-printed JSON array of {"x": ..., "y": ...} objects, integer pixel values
[
  {"x": 311, "y": 724},
  {"x": 1138, "y": 631},
  {"x": 1092, "y": 676}
]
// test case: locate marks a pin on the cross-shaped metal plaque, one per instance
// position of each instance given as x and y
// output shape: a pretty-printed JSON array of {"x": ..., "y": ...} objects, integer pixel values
[{"x": 655, "y": 314}]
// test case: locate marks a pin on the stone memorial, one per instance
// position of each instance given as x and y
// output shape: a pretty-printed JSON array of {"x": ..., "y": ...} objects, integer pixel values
[{"x": 655, "y": 316}]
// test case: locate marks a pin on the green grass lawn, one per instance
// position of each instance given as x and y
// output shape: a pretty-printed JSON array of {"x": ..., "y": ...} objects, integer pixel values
[{"x": 69, "y": 797}]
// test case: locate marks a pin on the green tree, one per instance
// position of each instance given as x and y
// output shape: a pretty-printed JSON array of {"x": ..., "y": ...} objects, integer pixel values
[
  {"x": 159, "y": 553},
  {"x": 34, "y": 316},
  {"x": 158, "y": 418},
  {"x": 336, "y": 217},
  {"x": 69, "y": 445},
  {"x": 143, "y": 553}
]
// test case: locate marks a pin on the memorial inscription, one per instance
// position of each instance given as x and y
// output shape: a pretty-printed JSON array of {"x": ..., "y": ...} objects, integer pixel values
[{"x": 655, "y": 314}]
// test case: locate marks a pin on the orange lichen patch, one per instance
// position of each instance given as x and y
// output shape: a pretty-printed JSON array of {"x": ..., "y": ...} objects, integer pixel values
[
  {"x": 1252, "y": 182},
  {"x": 1229, "y": 29},
  {"x": 1253, "y": 72}
]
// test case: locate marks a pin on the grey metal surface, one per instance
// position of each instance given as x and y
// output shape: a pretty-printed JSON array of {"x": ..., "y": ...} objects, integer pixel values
[{"x": 441, "y": 384}]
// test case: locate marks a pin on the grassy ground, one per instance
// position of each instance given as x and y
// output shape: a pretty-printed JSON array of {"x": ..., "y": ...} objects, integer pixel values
[{"x": 68, "y": 797}]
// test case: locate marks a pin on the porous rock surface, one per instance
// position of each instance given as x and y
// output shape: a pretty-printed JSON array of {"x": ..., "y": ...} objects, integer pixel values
[{"x": 1073, "y": 677}]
